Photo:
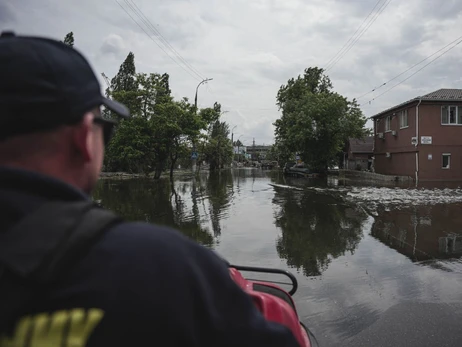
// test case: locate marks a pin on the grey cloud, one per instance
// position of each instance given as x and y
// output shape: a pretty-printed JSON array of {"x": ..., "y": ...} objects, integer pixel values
[
  {"x": 446, "y": 10},
  {"x": 250, "y": 49},
  {"x": 113, "y": 44},
  {"x": 359, "y": 8},
  {"x": 7, "y": 14}
]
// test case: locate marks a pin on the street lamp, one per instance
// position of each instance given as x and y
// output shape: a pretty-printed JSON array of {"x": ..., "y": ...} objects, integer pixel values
[
  {"x": 238, "y": 145},
  {"x": 232, "y": 135},
  {"x": 194, "y": 154},
  {"x": 197, "y": 88}
]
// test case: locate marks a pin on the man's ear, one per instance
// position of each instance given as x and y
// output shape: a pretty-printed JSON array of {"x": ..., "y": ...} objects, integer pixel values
[{"x": 83, "y": 139}]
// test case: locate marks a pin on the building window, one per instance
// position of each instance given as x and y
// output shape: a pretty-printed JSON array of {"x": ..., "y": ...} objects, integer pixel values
[
  {"x": 446, "y": 160},
  {"x": 451, "y": 115},
  {"x": 403, "y": 122},
  {"x": 388, "y": 123}
]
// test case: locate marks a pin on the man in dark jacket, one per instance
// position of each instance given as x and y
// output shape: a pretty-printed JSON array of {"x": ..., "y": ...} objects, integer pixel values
[{"x": 136, "y": 284}]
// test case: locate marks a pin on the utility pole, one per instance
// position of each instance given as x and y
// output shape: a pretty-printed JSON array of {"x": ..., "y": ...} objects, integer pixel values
[{"x": 194, "y": 153}]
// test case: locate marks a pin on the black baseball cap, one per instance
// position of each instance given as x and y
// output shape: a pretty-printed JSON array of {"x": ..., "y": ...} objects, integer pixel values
[{"x": 45, "y": 83}]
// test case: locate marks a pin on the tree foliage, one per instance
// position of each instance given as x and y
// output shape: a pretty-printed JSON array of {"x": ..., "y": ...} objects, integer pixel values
[
  {"x": 125, "y": 80},
  {"x": 316, "y": 121},
  {"x": 161, "y": 130},
  {"x": 218, "y": 149},
  {"x": 69, "y": 39}
]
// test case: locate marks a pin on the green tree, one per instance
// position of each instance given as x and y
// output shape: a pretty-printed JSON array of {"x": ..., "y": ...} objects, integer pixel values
[
  {"x": 210, "y": 115},
  {"x": 161, "y": 129},
  {"x": 176, "y": 128},
  {"x": 218, "y": 149},
  {"x": 207, "y": 117},
  {"x": 125, "y": 79},
  {"x": 129, "y": 149},
  {"x": 142, "y": 143},
  {"x": 280, "y": 153},
  {"x": 316, "y": 121},
  {"x": 69, "y": 39}
]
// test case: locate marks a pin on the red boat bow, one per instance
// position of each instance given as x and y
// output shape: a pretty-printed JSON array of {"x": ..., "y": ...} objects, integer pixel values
[{"x": 272, "y": 301}]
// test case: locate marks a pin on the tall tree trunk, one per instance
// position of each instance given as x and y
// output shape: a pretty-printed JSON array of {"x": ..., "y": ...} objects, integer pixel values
[
  {"x": 213, "y": 165},
  {"x": 173, "y": 160},
  {"x": 159, "y": 169}
]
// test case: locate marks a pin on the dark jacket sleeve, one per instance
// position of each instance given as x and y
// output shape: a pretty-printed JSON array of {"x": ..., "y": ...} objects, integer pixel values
[{"x": 181, "y": 293}]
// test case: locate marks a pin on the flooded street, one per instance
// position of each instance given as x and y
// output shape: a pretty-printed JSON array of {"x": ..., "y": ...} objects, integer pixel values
[{"x": 356, "y": 251}]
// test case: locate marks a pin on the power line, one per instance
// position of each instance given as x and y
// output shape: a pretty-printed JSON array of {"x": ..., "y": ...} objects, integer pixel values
[
  {"x": 148, "y": 25},
  {"x": 163, "y": 39},
  {"x": 413, "y": 66},
  {"x": 423, "y": 67},
  {"x": 195, "y": 77},
  {"x": 341, "y": 49},
  {"x": 371, "y": 21}
]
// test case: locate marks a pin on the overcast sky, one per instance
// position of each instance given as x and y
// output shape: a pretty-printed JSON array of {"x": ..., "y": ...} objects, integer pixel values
[{"x": 251, "y": 47}]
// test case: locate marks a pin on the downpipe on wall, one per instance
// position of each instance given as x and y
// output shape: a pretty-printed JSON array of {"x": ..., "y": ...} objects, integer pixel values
[{"x": 417, "y": 142}]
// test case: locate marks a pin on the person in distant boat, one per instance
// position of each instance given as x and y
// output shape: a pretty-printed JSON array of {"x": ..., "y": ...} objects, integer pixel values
[{"x": 72, "y": 273}]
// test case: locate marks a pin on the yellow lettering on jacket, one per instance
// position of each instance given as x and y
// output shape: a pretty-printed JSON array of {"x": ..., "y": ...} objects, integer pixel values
[{"x": 62, "y": 328}]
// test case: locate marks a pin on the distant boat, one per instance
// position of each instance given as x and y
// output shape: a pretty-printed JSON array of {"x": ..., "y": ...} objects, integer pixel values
[
  {"x": 298, "y": 170},
  {"x": 266, "y": 164}
]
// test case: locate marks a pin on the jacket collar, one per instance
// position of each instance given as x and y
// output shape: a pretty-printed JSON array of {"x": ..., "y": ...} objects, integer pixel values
[{"x": 33, "y": 183}]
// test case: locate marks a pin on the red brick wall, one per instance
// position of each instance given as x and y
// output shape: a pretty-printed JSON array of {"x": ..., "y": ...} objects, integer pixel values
[
  {"x": 445, "y": 139},
  {"x": 402, "y": 141},
  {"x": 400, "y": 164},
  {"x": 430, "y": 125},
  {"x": 432, "y": 169}
]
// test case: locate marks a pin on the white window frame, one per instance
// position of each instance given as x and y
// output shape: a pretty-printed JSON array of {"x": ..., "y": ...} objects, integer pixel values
[
  {"x": 387, "y": 124},
  {"x": 403, "y": 115},
  {"x": 449, "y": 161},
  {"x": 458, "y": 120}
]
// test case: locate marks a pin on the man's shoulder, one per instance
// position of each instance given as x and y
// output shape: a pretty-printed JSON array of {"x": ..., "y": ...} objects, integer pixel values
[
  {"x": 140, "y": 240},
  {"x": 140, "y": 259},
  {"x": 145, "y": 236}
]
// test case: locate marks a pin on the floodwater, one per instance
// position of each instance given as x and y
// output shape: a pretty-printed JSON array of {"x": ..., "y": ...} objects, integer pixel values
[{"x": 357, "y": 251}]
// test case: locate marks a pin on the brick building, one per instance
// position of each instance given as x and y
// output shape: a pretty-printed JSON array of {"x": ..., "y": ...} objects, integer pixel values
[
  {"x": 421, "y": 138},
  {"x": 359, "y": 153}
]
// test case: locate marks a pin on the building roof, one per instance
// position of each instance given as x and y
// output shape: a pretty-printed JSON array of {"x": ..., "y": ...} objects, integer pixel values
[
  {"x": 437, "y": 95},
  {"x": 360, "y": 145}
]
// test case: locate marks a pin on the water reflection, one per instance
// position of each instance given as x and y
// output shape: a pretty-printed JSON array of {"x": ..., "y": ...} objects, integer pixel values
[
  {"x": 156, "y": 202},
  {"x": 219, "y": 190},
  {"x": 315, "y": 229},
  {"x": 421, "y": 232},
  {"x": 353, "y": 266}
]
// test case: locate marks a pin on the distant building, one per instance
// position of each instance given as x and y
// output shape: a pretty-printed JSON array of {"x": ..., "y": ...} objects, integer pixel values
[
  {"x": 421, "y": 138},
  {"x": 359, "y": 153},
  {"x": 258, "y": 152},
  {"x": 240, "y": 149}
]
